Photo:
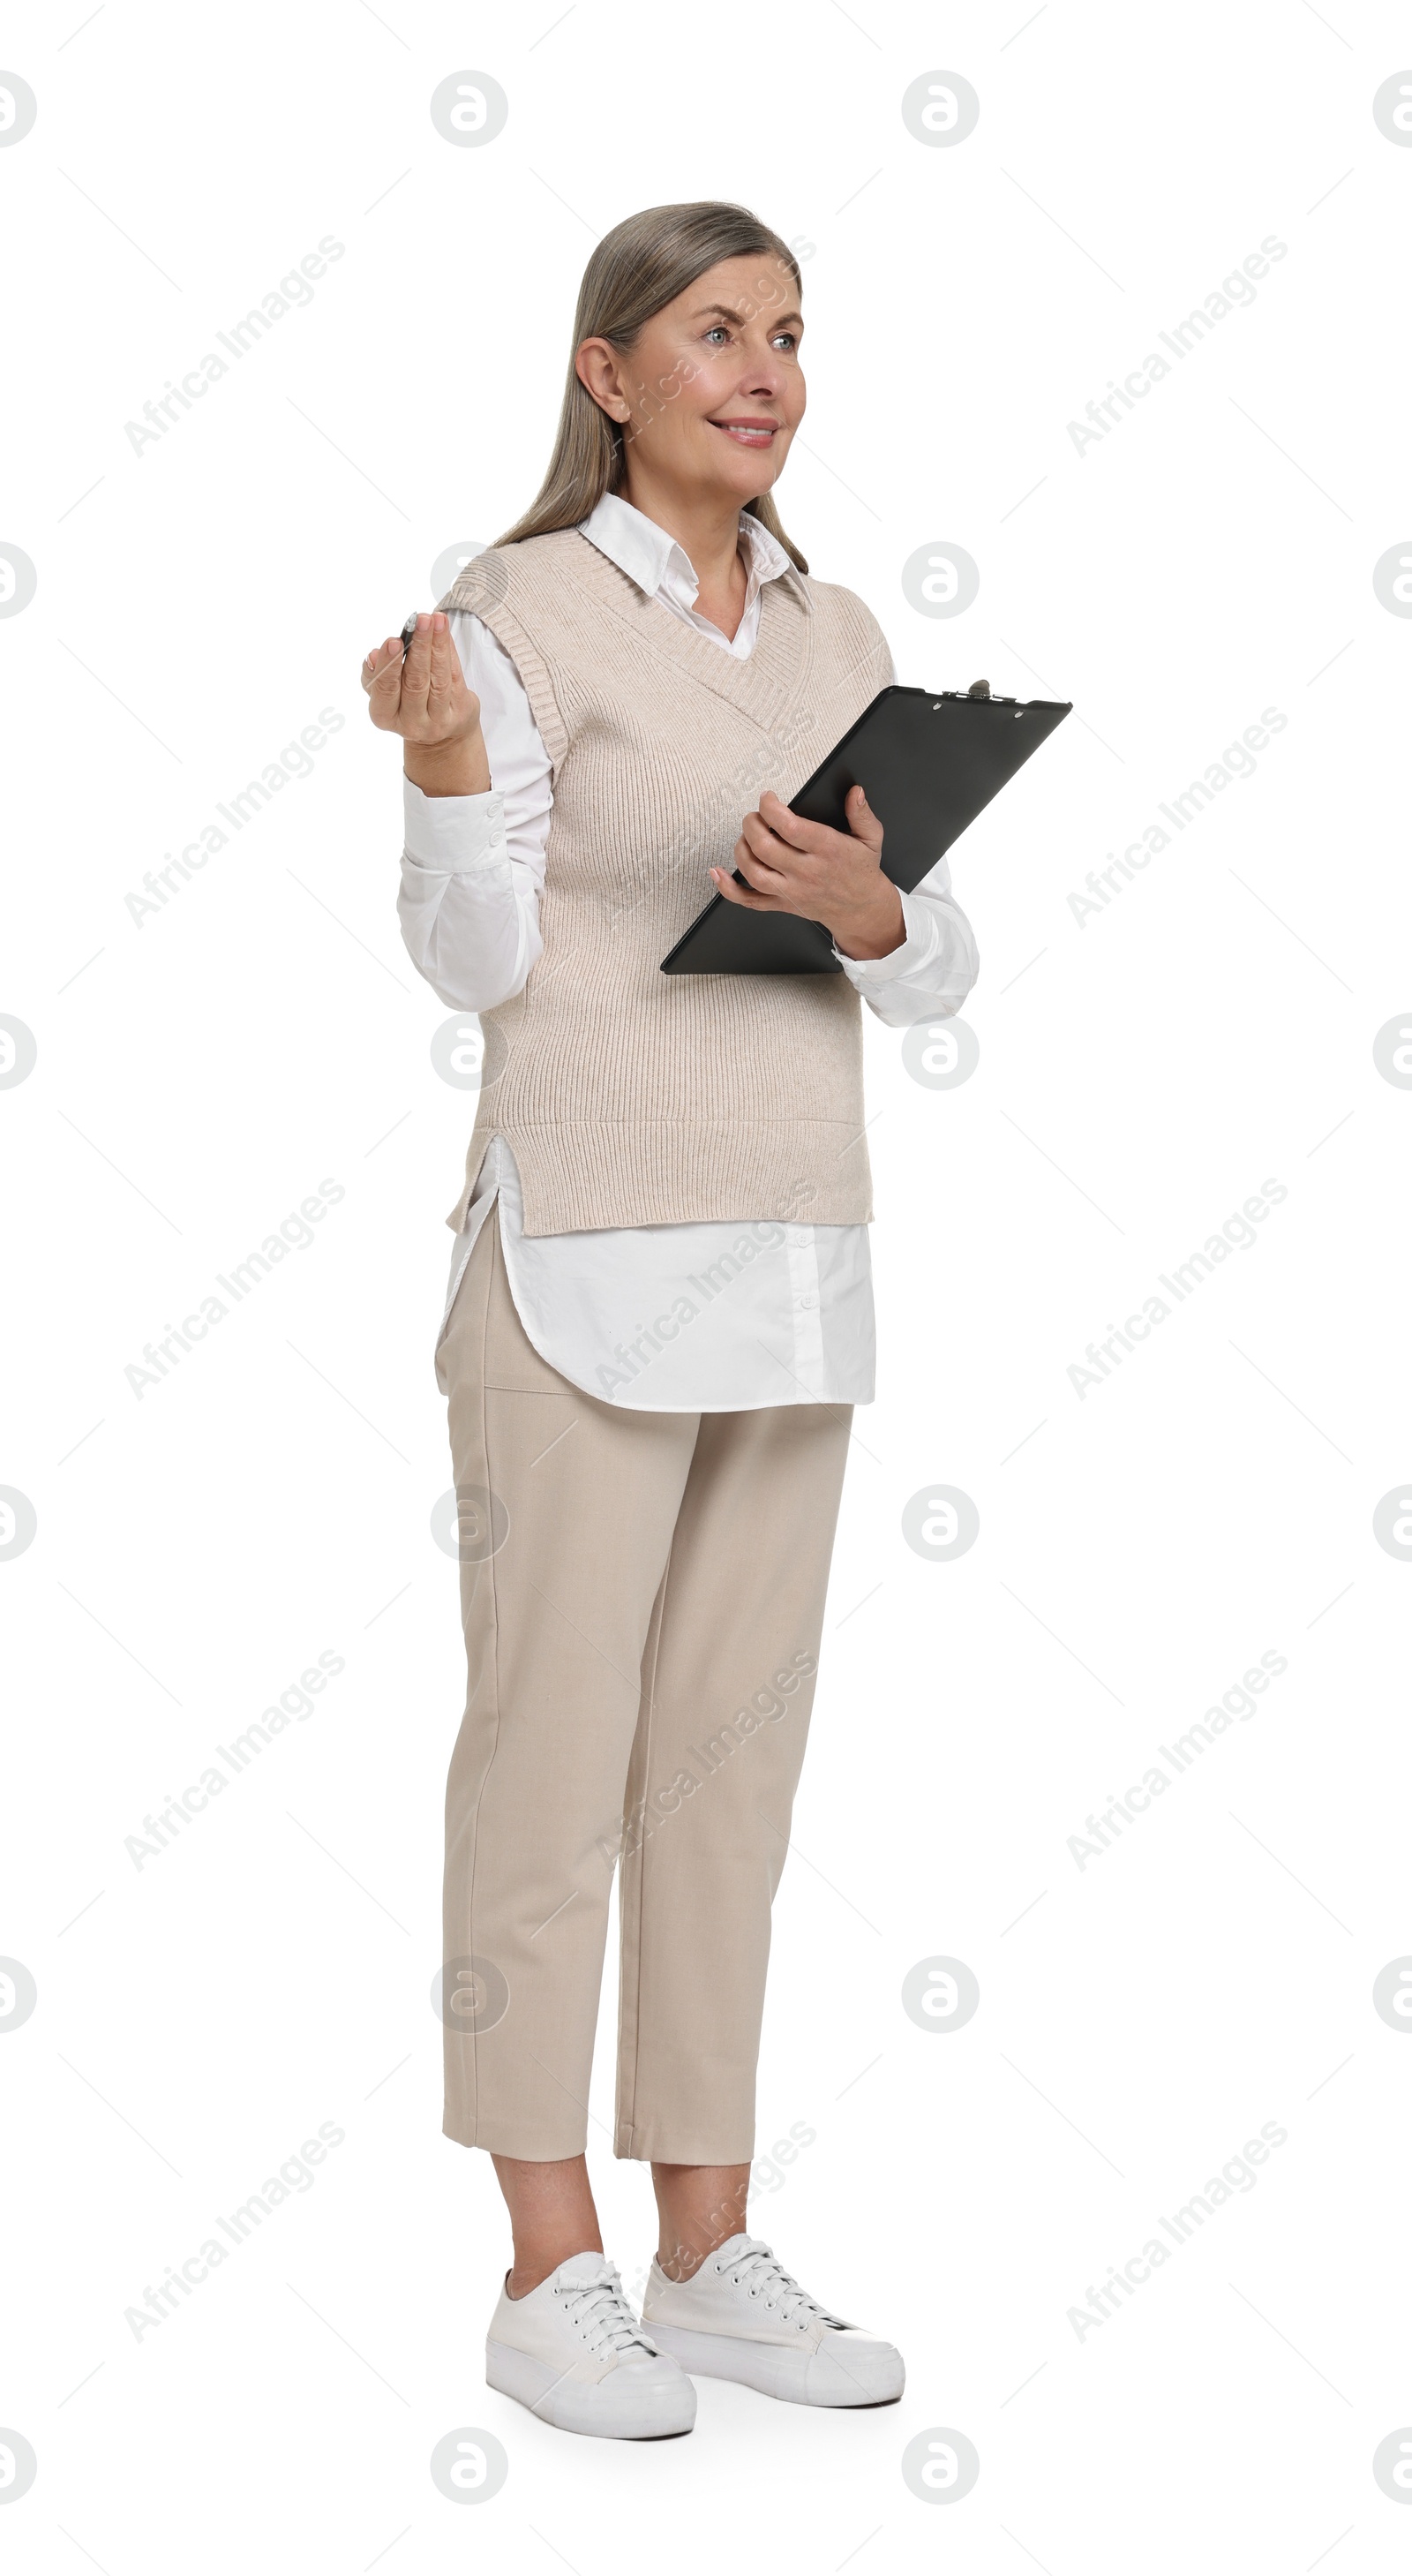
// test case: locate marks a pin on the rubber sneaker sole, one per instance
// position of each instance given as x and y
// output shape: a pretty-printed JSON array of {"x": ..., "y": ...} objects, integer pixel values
[
  {"x": 870, "y": 2374},
  {"x": 637, "y": 2402}
]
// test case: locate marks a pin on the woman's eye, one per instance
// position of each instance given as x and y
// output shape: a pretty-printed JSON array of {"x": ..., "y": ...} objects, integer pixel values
[{"x": 719, "y": 332}]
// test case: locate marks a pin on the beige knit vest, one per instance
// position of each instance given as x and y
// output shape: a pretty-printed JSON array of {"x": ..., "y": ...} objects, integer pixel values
[{"x": 629, "y": 1097}]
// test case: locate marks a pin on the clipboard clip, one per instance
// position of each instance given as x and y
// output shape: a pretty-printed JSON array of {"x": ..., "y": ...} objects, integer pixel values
[{"x": 977, "y": 689}]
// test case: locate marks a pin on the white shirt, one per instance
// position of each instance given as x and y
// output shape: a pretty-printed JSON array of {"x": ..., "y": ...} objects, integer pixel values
[{"x": 716, "y": 1317}]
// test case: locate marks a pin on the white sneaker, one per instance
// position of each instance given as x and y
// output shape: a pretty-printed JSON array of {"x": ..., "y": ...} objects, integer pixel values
[
  {"x": 740, "y": 2316},
  {"x": 573, "y": 2352}
]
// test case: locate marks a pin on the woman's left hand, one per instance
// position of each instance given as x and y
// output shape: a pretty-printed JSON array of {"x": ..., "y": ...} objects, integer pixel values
[{"x": 833, "y": 877}]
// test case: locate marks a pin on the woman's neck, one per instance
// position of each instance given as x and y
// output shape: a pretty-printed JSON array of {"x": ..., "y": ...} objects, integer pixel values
[{"x": 707, "y": 528}]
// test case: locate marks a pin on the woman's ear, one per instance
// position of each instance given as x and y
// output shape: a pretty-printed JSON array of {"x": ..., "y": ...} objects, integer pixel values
[{"x": 596, "y": 366}]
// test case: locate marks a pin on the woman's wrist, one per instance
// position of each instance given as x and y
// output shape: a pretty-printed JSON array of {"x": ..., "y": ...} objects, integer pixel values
[
  {"x": 870, "y": 931},
  {"x": 460, "y": 768}
]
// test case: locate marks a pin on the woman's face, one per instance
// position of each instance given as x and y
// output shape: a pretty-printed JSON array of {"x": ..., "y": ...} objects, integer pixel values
[{"x": 713, "y": 392}]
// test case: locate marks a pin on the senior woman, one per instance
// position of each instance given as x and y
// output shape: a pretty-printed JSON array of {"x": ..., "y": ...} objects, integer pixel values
[{"x": 659, "y": 1314}]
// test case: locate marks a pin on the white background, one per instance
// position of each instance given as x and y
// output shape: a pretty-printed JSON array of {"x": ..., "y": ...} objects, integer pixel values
[{"x": 1140, "y": 1076}]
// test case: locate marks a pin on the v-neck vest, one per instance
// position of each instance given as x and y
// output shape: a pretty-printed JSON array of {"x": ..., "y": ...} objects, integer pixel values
[{"x": 629, "y": 1097}]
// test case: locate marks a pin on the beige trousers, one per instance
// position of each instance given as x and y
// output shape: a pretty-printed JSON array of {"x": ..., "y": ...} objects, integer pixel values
[{"x": 642, "y": 1596}]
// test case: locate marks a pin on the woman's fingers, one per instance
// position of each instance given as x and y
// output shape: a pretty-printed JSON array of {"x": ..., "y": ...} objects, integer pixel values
[
  {"x": 790, "y": 865},
  {"x": 432, "y": 669},
  {"x": 421, "y": 692},
  {"x": 763, "y": 845},
  {"x": 382, "y": 676},
  {"x": 427, "y": 685},
  {"x": 725, "y": 884},
  {"x": 445, "y": 662},
  {"x": 416, "y": 669},
  {"x": 764, "y": 885},
  {"x": 762, "y": 879},
  {"x": 761, "y": 890},
  {"x": 382, "y": 658}
]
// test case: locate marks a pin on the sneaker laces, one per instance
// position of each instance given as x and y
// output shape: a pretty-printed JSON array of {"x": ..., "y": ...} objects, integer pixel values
[
  {"x": 601, "y": 2314},
  {"x": 765, "y": 2277}
]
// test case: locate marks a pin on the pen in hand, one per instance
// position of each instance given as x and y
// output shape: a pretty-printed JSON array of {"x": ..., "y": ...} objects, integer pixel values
[{"x": 416, "y": 687}]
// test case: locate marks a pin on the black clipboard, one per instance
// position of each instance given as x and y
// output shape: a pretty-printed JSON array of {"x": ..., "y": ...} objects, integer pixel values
[{"x": 929, "y": 761}]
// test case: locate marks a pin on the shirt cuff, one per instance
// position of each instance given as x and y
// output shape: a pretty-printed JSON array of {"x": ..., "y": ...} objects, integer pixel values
[
  {"x": 916, "y": 950},
  {"x": 453, "y": 834}
]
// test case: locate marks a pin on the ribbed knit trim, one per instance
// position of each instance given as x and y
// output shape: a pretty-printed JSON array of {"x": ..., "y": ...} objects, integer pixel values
[
  {"x": 488, "y": 604},
  {"x": 642, "y": 1171},
  {"x": 762, "y": 684}
]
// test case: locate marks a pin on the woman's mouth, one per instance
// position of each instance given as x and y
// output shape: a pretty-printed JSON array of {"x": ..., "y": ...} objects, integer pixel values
[{"x": 748, "y": 433}]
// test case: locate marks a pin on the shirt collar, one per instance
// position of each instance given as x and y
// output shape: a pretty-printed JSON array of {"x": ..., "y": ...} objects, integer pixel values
[{"x": 655, "y": 561}]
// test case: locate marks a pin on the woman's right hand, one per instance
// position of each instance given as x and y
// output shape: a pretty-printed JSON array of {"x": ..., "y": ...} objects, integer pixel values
[{"x": 423, "y": 696}]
